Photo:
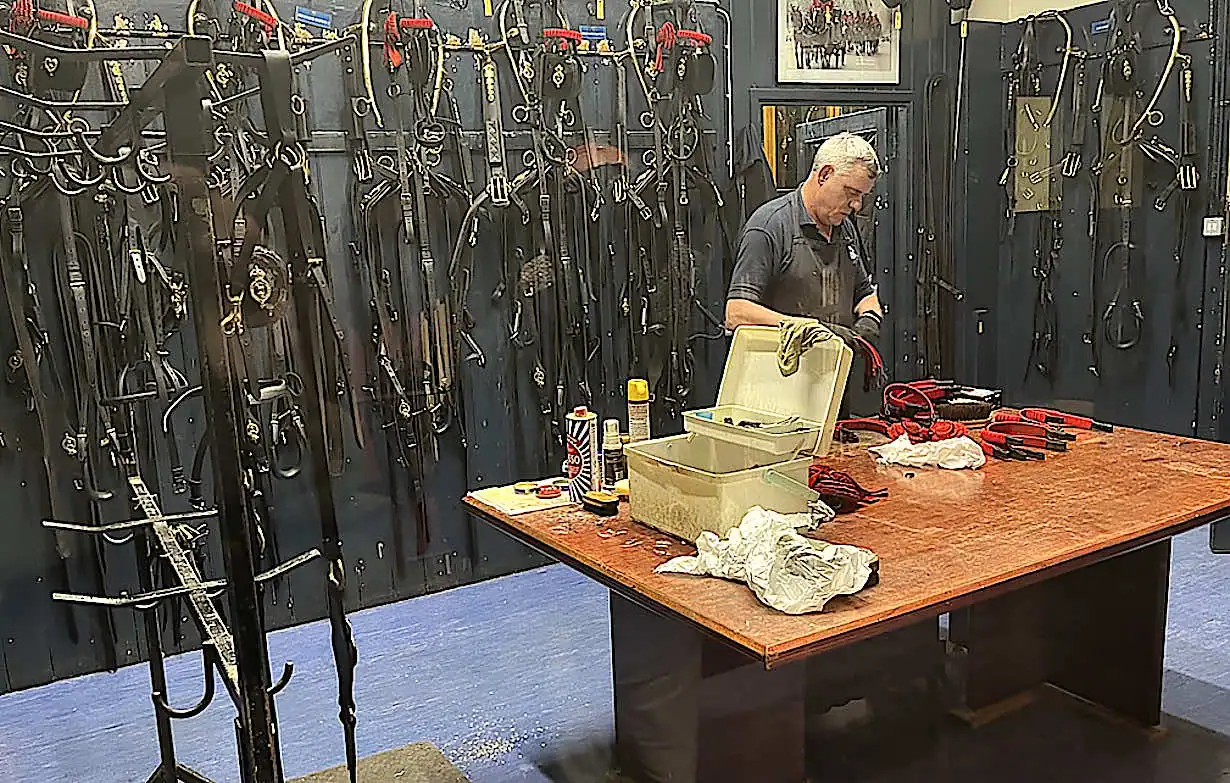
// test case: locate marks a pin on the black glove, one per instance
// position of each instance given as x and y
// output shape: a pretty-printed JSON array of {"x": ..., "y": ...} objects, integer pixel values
[
  {"x": 845, "y": 333},
  {"x": 867, "y": 326}
]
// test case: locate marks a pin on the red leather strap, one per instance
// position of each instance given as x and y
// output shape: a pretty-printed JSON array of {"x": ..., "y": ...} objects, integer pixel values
[
  {"x": 253, "y": 12},
  {"x": 908, "y": 400},
  {"x": 563, "y": 33},
  {"x": 695, "y": 37},
  {"x": 1061, "y": 419},
  {"x": 68, "y": 20},
  {"x": 1037, "y": 436}
]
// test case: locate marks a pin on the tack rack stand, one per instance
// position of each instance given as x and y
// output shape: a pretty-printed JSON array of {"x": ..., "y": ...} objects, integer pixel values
[
  {"x": 238, "y": 653},
  {"x": 265, "y": 330}
]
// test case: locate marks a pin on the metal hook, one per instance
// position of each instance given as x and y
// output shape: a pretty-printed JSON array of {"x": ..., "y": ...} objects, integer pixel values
[
  {"x": 209, "y": 657},
  {"x": 288, "y": 671}
]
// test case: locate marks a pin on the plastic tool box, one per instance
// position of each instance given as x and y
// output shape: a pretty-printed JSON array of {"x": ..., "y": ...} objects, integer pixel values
[{"x": 708, "y": 478}]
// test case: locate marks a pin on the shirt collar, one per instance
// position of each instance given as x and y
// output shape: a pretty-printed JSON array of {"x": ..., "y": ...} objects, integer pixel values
[
  {"x": 804, "y": 217},
  {"x": 806, "y": 221}
]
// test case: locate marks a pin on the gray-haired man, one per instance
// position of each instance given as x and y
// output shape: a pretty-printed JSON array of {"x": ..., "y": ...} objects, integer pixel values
[{"x": 800, "y": 254}]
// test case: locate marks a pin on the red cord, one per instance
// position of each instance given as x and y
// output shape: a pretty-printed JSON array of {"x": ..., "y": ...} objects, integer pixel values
[
  {"x": 944, "y": 430},
  {"x": 392, "y": 37},
  {"x": 874, "y": 375},
  {"x": 918, "y": 432},
  {"x": 666, "y": 40}
]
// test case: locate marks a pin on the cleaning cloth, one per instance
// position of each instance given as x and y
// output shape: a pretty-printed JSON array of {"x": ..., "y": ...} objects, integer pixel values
[
  {"x": 786, "y": 571},
  {"x": 953, "y": 454}
]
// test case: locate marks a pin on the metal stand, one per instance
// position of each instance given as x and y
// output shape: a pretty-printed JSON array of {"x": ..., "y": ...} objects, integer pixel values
[
  {"x": 237, "y": 654},
  {"x": 181, "y": 774}
]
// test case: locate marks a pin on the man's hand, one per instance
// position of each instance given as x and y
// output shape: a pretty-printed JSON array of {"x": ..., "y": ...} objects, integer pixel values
[
  {"x": 847, "y": 334},
  {"x": 867, "y": 326}
]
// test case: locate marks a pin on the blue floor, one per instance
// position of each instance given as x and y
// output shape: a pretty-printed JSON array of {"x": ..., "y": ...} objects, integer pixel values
[
  {"x": 501, "y": 676},
  {"x": 498, "y": 675}
]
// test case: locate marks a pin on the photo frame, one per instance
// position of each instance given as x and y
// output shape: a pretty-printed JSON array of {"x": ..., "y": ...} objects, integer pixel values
[{"x": 838, "y": 42}]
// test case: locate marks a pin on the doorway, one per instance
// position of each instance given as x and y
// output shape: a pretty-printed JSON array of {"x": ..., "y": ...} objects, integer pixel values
[{"x": 792, "y": 134}]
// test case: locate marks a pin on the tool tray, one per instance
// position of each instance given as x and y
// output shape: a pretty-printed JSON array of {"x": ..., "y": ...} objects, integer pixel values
[{"x": 737, "y": 424}]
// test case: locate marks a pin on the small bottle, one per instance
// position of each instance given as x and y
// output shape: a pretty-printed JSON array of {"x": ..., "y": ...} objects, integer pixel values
[
  {"x": 638, "y": 410},
  {"x": 614, "y": 468}
]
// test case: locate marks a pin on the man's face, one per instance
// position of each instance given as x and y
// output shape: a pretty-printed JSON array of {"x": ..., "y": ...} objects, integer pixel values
[{"x": 840, "y": 193}]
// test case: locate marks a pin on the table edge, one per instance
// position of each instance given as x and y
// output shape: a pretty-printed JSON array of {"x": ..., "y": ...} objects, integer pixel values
[{"x": 775, "y": 656}]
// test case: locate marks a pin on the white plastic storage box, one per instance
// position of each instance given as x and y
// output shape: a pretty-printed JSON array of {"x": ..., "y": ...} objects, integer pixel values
[
  {"x": 708, "y": 478},
  {"x": 689, "y": 483},
  {"x": 753, "y": 389}
]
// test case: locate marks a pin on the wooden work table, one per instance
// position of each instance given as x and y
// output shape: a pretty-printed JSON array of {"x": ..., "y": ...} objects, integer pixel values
[
  {"x": 945, "y": 539},
  {"x": 1060, "y": 567}
]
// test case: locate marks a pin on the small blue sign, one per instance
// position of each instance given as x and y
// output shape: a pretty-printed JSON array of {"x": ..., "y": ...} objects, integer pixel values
[
  {"x": 311, "y": 18},
  {"x": 593, "y": 32},
  {"x": 1097, "y": 28}
]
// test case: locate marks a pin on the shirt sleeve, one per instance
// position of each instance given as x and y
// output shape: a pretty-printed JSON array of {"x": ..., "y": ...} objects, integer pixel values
[{"x": 754, "y": 266}]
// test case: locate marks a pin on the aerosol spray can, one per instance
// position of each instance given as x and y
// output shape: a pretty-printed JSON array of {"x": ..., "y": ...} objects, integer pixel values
[
  {"x": 584, "y": 467},
  {"x": 638, "y": 410},
  {"x": 614, "y": 467}
]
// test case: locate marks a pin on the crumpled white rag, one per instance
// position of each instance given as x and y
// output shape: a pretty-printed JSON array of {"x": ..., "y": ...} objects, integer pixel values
[
  {"x": 786, "y": 571},
  {"x": 952, "y": 454}
]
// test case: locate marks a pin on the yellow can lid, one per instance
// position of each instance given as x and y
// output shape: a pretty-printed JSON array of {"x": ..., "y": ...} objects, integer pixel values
[{"x": 638, "y": 390}]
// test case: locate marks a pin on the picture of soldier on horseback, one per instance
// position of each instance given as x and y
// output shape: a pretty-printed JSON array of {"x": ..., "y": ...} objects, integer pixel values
[{"x": 835, "y": 36}]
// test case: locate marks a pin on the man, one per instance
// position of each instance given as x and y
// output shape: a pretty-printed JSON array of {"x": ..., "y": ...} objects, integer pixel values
[{"x": 799, "y": 254}]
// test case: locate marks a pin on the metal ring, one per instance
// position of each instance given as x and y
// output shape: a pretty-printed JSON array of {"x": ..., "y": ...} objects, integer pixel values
[
  {"x": 1155, "y": 118},
  {"x": 361, "y": 106},
  {"x": 647, "y": 157},
  {"x": 393, "y": 90},
  {"x": 647, "y": 119},
  {"x": 527, "y": 158},
  {"x": 521, "y": 113},
  {"x": 292, "y": 156},
  {"x": 297, "y": 106},
  {"x": 386, "y": 161}
]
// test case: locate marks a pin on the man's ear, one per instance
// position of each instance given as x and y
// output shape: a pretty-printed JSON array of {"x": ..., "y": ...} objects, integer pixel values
[{"x": 824, "y": 173}]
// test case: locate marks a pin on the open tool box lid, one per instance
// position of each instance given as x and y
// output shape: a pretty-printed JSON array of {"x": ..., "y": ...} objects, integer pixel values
[{"x": 754, "y": 390}]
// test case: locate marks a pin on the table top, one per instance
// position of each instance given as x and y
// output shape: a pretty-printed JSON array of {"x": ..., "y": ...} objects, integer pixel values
[{"x": 946, "y": 539}]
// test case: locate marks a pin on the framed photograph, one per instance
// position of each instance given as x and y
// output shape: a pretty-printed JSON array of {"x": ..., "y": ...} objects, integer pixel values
[{"x": 837, "y": 42}]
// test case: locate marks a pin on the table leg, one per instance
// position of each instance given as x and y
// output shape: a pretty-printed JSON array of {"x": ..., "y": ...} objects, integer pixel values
[
  {"x": 688, "y": 711},
  {"x": 1098, "y": 633},
  {"x": 752, "y": 720},
  {"x": 1110, "y": 641},
  {"x": 656, "y": 665}
]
